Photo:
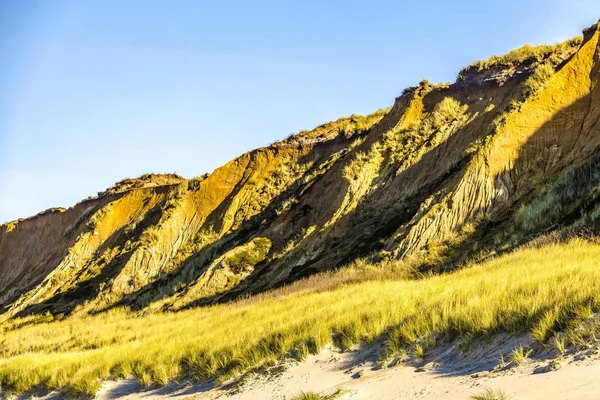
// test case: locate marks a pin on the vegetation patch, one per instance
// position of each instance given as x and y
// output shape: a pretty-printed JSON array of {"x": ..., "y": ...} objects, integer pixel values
[
  {"x": 527, "y": 54},
  {"x": 525, "y": 291},
  {"x": 490, "y": 394},
  {"x": 405, "y": 146},
  {"x": 354, "y": 125},
  {"x": 538, "y": 80},
  {"x": 250, "y": 256},
  {"x": 317, "y": 396},
  {"x": 567, "y": 195}
]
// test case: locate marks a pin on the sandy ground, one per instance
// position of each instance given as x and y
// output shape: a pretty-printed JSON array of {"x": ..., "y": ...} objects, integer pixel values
[{"x": 445, "y": 374}]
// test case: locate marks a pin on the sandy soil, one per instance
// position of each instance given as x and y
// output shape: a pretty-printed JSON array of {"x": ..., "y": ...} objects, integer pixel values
[{"x": 445, "y": 374}]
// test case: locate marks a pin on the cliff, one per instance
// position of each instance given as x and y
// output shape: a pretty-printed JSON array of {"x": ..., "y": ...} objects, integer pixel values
[{"x": 448, "y": 173}]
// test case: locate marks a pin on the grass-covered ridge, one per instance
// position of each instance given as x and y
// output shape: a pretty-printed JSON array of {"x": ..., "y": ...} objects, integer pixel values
[
  {"x": 536, "y": 290},
  {"x": 555, "y": 53}
]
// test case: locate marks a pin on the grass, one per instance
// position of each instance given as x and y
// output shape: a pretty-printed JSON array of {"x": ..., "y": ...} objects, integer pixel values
[
  {"x": 446, "y": 111},
  {"x": 419, "y": 351},
  {"x": 249, "y": 257},
  {"x": 538, "y": 79},
  {"x": 530, "y": 289},
  {"x": 309, "y": 396},
  {"x": 554, "y": 53},
  {"x": 490, "y": 394},
  {"x": 405, "y": 146},
  {"x": 520, "y": 355},
  {"x": 567, "y": 195},
  {"x": 348, "y": 127},
  {"x": 560, "y": 344},
  {"x": 317, "y": 396}
]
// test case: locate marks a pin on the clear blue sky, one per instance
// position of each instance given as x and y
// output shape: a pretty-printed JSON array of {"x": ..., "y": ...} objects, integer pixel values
[{"x": 95, "y": 91}]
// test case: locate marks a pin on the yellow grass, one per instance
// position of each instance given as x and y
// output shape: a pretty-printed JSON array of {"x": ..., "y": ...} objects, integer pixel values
[{"x": 535, "y": 290}]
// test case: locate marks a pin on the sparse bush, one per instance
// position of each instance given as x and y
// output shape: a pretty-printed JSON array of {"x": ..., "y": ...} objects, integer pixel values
[
  {"x": 354, "y": 125},
  {"x": 527, "y": 54},
  {"x": 444, "y": 112},
  {"x": 255, "y": 252},
  {"x": 516, "y": 56},
  {"x": 363, "y": 164},
  {"x": 538, "y": 80},
  {"x": 447, "y": 110}
]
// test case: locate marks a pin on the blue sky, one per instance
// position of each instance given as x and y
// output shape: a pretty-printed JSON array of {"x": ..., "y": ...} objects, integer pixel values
[{"x": 96, "y": 91}]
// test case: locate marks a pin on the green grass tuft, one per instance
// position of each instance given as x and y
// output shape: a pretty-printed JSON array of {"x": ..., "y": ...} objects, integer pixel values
[
  {"x": 520, "y": 355},
  {"x": 316, "y": 396},
  {"x": 309, "y": 396},
  {"x": 490, "y": 394}
]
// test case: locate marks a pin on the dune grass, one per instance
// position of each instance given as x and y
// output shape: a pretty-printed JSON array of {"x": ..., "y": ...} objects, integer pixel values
[
  {"x": 317, "y": 396},
  {"x": 490, "y": 394},
  {"x": 520, "y": 355},
  {"x": 541, "y": 290},
  {"x": 309, "y": 396}
]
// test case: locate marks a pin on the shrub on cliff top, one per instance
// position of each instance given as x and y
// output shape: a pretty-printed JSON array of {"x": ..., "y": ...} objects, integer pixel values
[{"x": 527, "y": 53}]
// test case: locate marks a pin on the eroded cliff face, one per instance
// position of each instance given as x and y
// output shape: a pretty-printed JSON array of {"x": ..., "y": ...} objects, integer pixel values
[{"x": 448, "y": 170}]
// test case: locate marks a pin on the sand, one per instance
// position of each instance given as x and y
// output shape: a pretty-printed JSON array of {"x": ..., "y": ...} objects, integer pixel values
[{"x": 444, "y": 374}]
